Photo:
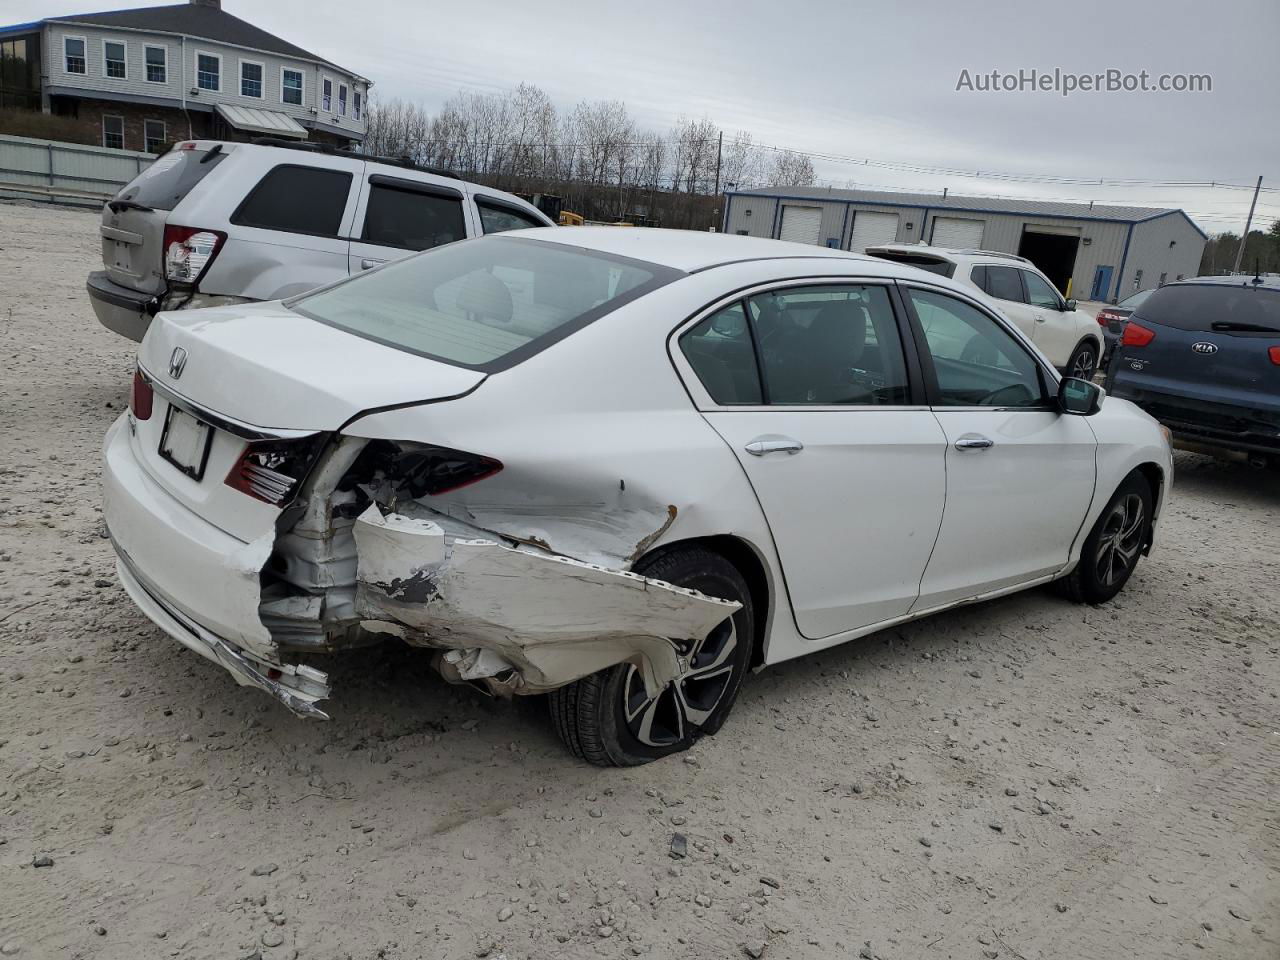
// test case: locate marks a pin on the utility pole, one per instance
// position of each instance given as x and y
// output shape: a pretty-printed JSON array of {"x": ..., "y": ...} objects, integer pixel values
[
  {"x": 719, "y": 155},
  {"x": 1247, "y": 224}
]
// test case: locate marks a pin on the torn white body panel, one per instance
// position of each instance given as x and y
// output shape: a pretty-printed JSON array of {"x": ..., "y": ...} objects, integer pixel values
[{"x": 554, "y": 618}]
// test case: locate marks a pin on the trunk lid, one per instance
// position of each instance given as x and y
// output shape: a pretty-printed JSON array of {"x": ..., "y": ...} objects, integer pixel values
[
  {"x": 261, "y": 369},
  {"x": 264, "y": 365},
  {"x": 133, "y": 221}
]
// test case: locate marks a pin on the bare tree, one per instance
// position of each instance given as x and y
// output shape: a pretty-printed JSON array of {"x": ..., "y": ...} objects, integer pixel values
[{"x": 791, "y": 169}]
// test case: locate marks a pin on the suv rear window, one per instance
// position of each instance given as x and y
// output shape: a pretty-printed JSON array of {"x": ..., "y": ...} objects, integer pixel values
[
  {"x": 171, "y": 177},
  {"x": 1226, "y": 308},
  {"x": 486, "y": 304},
  {"x": 296, "y": 199}
]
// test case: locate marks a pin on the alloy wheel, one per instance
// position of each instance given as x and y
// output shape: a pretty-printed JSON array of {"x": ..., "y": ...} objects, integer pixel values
[
  {"x": 1121, "y": 539},
  {"x": 1084, "y": 365},
  {"x": 688, "y": 701}
]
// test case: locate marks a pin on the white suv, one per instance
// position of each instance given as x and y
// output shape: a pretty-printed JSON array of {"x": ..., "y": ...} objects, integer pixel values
[
  {"x": 1070, "y": 338},
  {"x": 213, "y": 223}
]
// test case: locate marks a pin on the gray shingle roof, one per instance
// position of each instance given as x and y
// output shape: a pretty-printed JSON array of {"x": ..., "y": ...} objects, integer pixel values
[
  {"x": 1044, "y": 208},
  {"x": 197, "y": 20}
]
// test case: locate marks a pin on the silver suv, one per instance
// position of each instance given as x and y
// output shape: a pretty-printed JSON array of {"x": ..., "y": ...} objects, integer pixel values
[
  {"x": 1070, "y": 338},
  {"x": 214, "y": 223}
]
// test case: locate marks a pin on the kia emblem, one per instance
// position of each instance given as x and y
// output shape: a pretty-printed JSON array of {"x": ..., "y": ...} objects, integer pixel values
[
  {"x": 178, "y": 360},
  {"x": 1204, "y": 346}
]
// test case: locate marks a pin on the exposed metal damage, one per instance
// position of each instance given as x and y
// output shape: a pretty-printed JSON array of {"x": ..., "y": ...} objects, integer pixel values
[{"x": 360, "y": 555}]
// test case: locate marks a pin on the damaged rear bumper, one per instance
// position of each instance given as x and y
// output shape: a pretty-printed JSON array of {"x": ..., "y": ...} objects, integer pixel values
[{"x": 297, "y": 686}]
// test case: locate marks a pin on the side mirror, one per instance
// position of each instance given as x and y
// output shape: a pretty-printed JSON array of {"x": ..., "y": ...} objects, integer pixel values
[
  {"x": 1079, "y": 397},
  {"x": 1071, "y": 305}
]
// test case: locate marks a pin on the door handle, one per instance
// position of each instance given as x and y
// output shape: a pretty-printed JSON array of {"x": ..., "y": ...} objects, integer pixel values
[
  {"x": 370, "y": 264},
  {"x": 758, "y": 448},
  {"x": 974, "y": 442}
]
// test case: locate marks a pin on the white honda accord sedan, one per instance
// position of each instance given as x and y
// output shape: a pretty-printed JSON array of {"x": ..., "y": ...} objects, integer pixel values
[{"x": 622, "y": 467}]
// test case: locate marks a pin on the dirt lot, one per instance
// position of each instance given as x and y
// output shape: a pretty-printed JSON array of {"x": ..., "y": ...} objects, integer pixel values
[{"x": 1025, "y": 778}]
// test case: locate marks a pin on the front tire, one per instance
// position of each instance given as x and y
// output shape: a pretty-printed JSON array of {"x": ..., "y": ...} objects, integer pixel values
[
  {"x": 1114, "y": 545},
  {"x": 609, "y": 720}
]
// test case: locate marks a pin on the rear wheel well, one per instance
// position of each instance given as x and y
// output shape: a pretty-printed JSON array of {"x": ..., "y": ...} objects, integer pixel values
[{"x": 748, "y": 563}]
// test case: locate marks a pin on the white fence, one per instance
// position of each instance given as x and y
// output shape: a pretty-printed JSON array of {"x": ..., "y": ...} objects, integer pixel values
[{"x": 65, "y": 172}]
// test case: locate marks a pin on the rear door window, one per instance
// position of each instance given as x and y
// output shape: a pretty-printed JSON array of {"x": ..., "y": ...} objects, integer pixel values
[
  {"x": 171, "y": 177},
  {"x": 720, "y": 351},
  {"x": 1004, "y": 283},
  {"x": 297, "y": 199},
  {"x": 1238, "y": 309},
  {"x": 400, "y": 215},
  {"x": 499, "y": 218}
]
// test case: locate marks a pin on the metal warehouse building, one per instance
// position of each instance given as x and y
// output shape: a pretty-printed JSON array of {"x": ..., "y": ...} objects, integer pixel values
[{"x": 1095, "y": 252}]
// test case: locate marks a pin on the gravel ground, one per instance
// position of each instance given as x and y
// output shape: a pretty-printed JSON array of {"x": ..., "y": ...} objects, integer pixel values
[{"x": 1022, "y": 779}]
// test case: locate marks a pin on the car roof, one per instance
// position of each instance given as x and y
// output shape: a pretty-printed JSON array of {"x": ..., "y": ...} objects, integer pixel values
[
  {"x": 690, "y": 250},
  {"x": 1269, "y": 282}
]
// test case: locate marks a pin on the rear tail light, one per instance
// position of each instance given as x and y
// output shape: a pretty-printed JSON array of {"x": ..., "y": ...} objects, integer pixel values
[
  {"x": 188, "y": 251},
  {"x": 1106, "y": 316},
  {"x": 273, "y": 470},
  {"x": 1136, "y": 335},
  {"x": 141, "y": 396},
  {"x": 430, "y": 471},
  {"x": 1274, "y": 354}
]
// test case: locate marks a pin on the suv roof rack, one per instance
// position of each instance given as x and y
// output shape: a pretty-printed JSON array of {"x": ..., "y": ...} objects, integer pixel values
[{"x": 311, "y": 146}]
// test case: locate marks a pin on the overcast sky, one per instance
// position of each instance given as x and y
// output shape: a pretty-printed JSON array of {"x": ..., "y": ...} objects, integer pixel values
[{"x": 855, "y": 79}]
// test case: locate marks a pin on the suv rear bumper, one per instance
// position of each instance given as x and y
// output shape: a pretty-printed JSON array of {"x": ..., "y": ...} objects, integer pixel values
[
  {"x": 120, "y": 309},
  {"x": 1204, "y": 423}
]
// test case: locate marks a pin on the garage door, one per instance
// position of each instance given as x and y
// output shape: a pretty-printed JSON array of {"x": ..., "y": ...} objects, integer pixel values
[
  {"x": 872, "y": 229},
  {"x": 801, "y": 224},
  {"x": 956, "y": 233}
]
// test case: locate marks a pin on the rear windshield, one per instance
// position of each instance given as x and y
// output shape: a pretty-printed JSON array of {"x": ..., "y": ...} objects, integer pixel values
[
  {"x": 171, "y": 177},
  {"x": 486, "y": 303},
  {"x": 944, "y": 268},
  {"x": 1225, "y": 308}
]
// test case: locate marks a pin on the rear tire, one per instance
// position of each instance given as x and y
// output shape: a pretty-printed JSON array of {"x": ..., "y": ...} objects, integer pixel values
[
  {"x": 1084, "y": 361},
  {"x": 1114, "y": 545},
  {"x": 608, "y": 720}
]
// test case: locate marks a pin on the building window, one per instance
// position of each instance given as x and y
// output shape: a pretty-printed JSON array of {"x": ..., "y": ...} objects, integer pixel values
[
  {"x": 326, "y": 94},
  {"x": 250, "y": 79},
  {"x": 113, "y": 59},
  {"x": 157, "y": 59},
  {"x": 291, "y": 87},
  {"x": 355, "y": 105},
  {"x": 74, "y": 49},
  {"x": 208, "y": 71},
  {"x": 342, "y": 99},
  {"x": 19, "y": 74},
  {"x": 113, "y": 132},
  {"x": 155, "y": 135}
]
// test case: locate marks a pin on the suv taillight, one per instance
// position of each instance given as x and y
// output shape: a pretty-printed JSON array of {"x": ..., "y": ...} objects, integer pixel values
[
  {"x": 272, "y": 470},
  {"x": 141, "y": 396},
  {"x": 1136, "y": 335},
  {"x": 188, "y": 251},
  {"x": 1274, "y": 354}
]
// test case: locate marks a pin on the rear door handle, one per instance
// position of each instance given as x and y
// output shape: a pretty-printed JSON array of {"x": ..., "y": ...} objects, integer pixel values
[
  {"x": 370, "y": 264},
  {"x": 761, "y": 446},
  {"x": 973, "y": 441}
]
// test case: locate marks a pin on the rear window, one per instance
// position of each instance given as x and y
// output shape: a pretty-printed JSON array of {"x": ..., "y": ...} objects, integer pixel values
[
  {"x": 296, "y": 199},
  {"x": 943, "y": 268},
  {"x": 487, "y": 303},
  {"x": 171, "y": 177},
  {"x": 1224, "y": 308}
]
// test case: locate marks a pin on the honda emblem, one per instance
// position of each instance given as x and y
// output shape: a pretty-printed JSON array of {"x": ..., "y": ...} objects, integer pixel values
[
  {"x": 1204, "y": 346},
  {"x": 177, "y": 360}
]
